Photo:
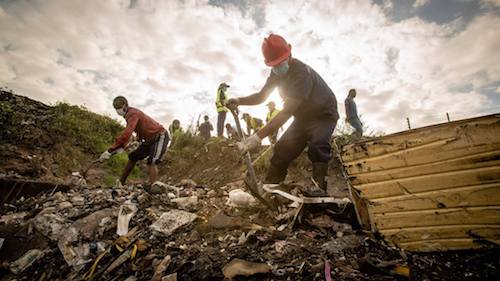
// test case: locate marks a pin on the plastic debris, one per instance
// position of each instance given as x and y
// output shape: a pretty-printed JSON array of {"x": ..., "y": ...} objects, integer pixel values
[
  {"x": 241, "y": 267},
  {"x": 25, "y": 261},
  {"x": 239, "y": 198},
  {"x": 188, "y": 183},
  {"x": 15, "y": 217},
  {"x": 170, "y": 277},
  {"x": 186, "y": 203},
  {"x": 50, "y": 224},
  {"x": 160, "y": 268},
  {"x": 78, "y": 200},
  {"x": 172, "y": 220},
  {"x": 127, "y": 211}
]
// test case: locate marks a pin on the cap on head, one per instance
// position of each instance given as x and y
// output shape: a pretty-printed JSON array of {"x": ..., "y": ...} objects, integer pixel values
[
  {"x": 224, "y": 84},
  {"x": 119, "y": 102},
  {"x": 275, "y": 50}
]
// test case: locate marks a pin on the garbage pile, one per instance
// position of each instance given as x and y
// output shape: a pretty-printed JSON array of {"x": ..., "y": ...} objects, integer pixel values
[
  {"x": 175, "y": 232},
  {"x": 191, "y": 232}
]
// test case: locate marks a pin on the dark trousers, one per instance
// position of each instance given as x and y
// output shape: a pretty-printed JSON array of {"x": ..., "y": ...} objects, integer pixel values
[
  {"x": 221, "y": 118},
  {"x": 315, "y": 134}
]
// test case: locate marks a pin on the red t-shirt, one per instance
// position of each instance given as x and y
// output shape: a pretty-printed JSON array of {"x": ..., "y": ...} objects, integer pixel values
[{"x": 144, "y": 126}]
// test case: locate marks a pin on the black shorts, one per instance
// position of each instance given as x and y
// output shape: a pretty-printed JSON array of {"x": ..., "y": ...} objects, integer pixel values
[{"x": 154, "y": 150}]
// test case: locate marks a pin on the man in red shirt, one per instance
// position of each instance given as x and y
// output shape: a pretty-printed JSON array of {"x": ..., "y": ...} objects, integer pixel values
[{"x": 153, "y": 137}]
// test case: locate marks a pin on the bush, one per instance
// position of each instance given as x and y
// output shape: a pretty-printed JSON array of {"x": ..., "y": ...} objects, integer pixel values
[
  {"x": 186, "y": 142},
  {"x": 91, "y": 133}
]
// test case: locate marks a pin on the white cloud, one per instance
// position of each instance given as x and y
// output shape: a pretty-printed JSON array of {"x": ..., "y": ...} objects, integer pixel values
[
  {"x": 488, "y": 3},
  {"x": 168, "y": 57},
  {"x": 420, "y": 3}
]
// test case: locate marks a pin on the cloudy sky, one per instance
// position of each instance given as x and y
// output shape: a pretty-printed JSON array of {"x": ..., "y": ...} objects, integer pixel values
[{"x": 416, "y": 59}]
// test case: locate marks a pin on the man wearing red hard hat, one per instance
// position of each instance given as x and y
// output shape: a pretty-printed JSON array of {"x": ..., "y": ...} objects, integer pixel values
[{"x": 308, "y": 99}]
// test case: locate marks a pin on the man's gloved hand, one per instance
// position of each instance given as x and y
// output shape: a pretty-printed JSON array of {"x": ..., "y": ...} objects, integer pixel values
[
  {"x": 104, "y": 156},
  {"x": 249, "y": 144},
  {"x": 232, "y": 104}
]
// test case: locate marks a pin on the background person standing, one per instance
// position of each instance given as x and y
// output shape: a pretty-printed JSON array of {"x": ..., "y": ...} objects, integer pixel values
[
  {"x": 351, "y": 112},
  {"x": 206, "y": 128},
  {"x": 220, "y": 103}
]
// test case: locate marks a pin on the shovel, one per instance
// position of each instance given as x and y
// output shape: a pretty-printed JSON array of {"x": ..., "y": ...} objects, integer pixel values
[{"x": 251, "y": 180}]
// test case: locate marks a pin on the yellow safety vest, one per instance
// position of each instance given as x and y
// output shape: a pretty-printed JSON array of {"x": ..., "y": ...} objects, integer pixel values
[
  {"x": 271, "y": 115},
  {"x": 255, "y": 124},
  {"x": 174, "y": 133},
  {"x": 221, "y": 100}
]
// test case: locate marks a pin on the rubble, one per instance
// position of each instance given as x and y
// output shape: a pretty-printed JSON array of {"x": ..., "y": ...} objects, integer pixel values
[
  {"x": 25, "y": 261},
  {"x": 172, "y": 220},
  {"x": 186, "y": 203},
  {"x": 245, "y": 268},
  {"x": 160, "y": 268},
  {"x": 240, "y": 198}
]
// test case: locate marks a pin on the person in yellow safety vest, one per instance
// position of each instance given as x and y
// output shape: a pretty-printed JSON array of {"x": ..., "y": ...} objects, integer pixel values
[
  {"x": 220, "y": 103},
  {"x": 253, "y": 124},
  {"x": 175, "y": 130},
  {"x": 273, "y": 111}
]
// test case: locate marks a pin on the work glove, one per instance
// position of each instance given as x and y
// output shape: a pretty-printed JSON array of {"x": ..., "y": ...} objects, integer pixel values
[
  {"x": 249, "y": 144},
  {"x": 232, "y": 104},
  {"x": 104, "y": 156}
]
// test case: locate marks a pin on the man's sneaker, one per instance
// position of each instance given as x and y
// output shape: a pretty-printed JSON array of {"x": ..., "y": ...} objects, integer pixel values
[{"x": 118, "y": 184}]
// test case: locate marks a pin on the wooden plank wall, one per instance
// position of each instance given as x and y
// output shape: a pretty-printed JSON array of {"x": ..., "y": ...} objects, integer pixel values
[{"x": 432, "y": 188}]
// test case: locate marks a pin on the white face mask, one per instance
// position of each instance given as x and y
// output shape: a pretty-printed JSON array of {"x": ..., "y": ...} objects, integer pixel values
[
  {"x": 281, "y": 69},
  {"x": 121, "y": 111}
]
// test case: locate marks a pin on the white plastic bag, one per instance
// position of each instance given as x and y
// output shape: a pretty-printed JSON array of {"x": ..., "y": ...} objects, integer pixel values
[{"x": 127, "y": 211}]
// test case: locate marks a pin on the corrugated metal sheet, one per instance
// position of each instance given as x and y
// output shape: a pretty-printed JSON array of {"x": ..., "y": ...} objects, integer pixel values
[{"x": 432, "y": 188}]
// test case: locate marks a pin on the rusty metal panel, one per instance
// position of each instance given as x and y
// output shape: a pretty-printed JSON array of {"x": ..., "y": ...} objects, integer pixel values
[{"x": 432, "y": 188}]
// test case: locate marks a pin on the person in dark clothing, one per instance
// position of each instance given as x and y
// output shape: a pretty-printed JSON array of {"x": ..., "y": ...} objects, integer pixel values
[
  {"x": 206, "y": 128},
  {"x": 220, "y": 104},
  {"x": 232, "y": 134},
  {"x": 351, "y": 112},
  {"x": 308, "y": 99},
  {"x": 154, "y": 140}
]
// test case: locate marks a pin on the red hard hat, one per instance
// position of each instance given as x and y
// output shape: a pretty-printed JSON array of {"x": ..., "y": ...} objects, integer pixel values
[{"x": 275, "y": 50}]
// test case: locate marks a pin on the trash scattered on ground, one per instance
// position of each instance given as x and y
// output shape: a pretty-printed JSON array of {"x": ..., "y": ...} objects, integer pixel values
[
  {"x": 245, "y": 268},
  {"x": 239, "y": 198},
  {"x": 127, "y": 211},
  {"x": 172, "y": 220},
  {"x": 70, "y": 233},
  {"x": 25, "y": 261}
]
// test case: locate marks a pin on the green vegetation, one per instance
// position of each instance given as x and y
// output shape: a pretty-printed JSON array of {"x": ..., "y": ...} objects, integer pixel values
[
  {"x": 5, "y": 118},
  {"x": 91, "y": 133},
  {"x": 185, "y": 144}
]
